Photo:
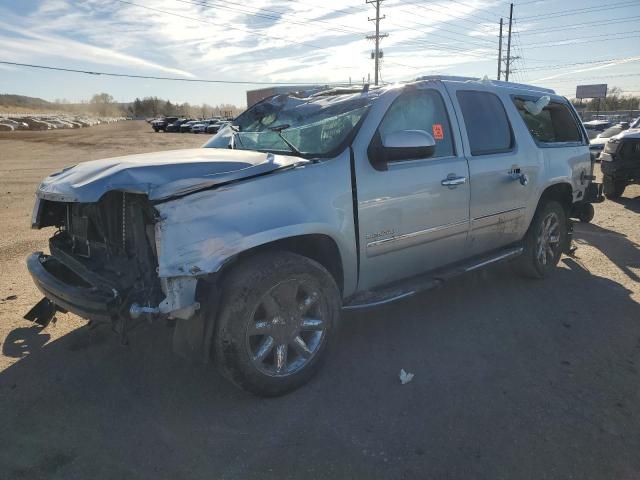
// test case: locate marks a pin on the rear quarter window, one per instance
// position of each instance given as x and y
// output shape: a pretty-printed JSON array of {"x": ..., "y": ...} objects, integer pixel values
[{"x": 555, "y": 124}]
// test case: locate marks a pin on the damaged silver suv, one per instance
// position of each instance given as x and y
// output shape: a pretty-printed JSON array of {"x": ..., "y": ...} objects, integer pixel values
[{"x": 309, "y": 204}]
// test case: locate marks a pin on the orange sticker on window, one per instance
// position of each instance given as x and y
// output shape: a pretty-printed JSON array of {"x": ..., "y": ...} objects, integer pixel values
[{"x": 438, "y": 132}]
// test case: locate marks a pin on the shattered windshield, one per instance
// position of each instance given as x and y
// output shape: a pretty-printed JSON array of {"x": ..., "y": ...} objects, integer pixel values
[{"x": 308, "y": 127}]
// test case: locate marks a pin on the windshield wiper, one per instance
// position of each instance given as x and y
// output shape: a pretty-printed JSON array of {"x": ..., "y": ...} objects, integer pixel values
[
  {"x": 278, "y": 129},
  {"x": 235, "y": 130}
]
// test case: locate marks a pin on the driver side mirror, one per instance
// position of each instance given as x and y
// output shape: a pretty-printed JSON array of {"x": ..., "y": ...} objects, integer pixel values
[{"x": 401, "y": 145}]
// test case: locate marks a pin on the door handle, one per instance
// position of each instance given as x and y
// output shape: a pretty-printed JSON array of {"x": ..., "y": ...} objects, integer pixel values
[
  {"x": 516, "y": 174},
  {"x": 453, "y": 181}
]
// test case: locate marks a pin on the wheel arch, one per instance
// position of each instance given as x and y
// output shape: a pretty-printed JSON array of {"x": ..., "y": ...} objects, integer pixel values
[
  {"x": 560, "y": 192},
  {"x": 316, "y": 246}
]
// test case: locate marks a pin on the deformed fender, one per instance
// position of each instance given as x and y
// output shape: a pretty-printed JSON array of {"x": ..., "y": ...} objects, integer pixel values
[{"x": 197, "y": 234}]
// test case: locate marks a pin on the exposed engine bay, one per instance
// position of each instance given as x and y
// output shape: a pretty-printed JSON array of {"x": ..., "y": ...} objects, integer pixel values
[{"x": 105, "y": 251}]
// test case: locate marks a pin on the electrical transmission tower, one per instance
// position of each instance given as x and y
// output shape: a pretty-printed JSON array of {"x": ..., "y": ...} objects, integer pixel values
[{"x": 376, "y": 54}]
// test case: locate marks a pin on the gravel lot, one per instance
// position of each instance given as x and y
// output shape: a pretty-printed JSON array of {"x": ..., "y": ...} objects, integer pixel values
[{"x": 514, "y": 379}]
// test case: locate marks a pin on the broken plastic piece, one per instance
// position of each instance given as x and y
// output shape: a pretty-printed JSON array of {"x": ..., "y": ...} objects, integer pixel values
[
  {"x": 405, "y": 377},
  {"x": 42, "y": 313},
  {"x": 534, "y": 108}
]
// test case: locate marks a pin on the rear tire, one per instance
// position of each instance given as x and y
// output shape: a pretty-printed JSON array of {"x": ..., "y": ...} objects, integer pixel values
[
  {"x": 586, "y": 213},
  {"x": 613, "y": 188},
  {"x": 545, "y": 240},
  {"x": 277, "y": 313}
]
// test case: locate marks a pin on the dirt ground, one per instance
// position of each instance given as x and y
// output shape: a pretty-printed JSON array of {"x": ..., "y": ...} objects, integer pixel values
[{"x": 513, "y": 378}]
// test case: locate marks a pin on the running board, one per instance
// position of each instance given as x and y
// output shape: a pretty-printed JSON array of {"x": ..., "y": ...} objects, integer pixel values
[{"x": 411, "y": 286}]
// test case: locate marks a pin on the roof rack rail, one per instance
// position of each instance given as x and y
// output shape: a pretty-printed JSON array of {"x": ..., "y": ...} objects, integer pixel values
[
  {"x": 346, "y": 89},
  {"x": 498, "y": 83}
]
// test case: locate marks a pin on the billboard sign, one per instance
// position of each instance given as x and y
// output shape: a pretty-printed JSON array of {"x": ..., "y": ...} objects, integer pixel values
[{"x": 591, "y": 91}]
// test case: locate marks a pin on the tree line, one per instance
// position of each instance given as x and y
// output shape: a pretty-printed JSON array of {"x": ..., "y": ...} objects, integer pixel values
[
  {"x": 156, "y": 107},
  {"x": 103, "y": 104}
]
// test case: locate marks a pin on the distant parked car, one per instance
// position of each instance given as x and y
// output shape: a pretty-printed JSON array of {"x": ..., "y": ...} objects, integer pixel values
[
  {"x": 35, "y": 124},
  {"x": 5, "y": 127},
  {"x": 215, "y": 127},
  {"x": 201, "y": 127},
  {"x": 17, "y": 125},
  {"x": 595, "y": 127},
  {"x": 186, "y": 126},
  {"x": 57, "y": 123},
  {"x": 160, "y": 124},
  {"x": 175, "y": 126},
  {"x": 596, "y": 145}
]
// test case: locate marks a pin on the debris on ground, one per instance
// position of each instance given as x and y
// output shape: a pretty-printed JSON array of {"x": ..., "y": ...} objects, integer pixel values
[{"x": 405, "y": 377}]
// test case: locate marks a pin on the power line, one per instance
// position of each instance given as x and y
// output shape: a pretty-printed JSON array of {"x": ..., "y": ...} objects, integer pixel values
[
  {"x": 226, "y": 25},
  {"x": 562, "y": 13},
  {"x": 520, "y": 57},
  {"x": 603, "y": 23},
  {"x": 604, "y": 62},
  {"x": 589, "y": 37},
  {"x": 306, "y": 21},
  {"x": 486, "y": 19},
  {"x": 277, "y": 16},
  {"x": 574, "y": 79},
  {"x": 463, "y": 18},
  {"x": 571, "y": 41},
  {"x": 174, "y": 79},
  {"x": 318, "y": 47},
  {"x": 438, "y": 29}
]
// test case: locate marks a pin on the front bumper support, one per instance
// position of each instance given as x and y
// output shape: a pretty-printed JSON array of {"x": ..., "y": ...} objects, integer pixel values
[{"x": 70, "y": 292}]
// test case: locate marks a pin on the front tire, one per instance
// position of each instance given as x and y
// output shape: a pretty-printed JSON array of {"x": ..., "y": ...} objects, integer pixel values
[
  {"x": 545, "y": 240},
  {"x": 278, "y": 311}
]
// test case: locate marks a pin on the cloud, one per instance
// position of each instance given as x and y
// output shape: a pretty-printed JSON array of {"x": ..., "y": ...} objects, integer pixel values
[
  {"x": 35, "y": 44},
  {"x": 589, "y": 69},
  {"x": 267, "y": 40}
]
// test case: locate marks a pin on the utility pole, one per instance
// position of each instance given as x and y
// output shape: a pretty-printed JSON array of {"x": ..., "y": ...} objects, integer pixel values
[
  {"x": 508, "y": 66},
  {"x": 377, "y": 54},
  {"x": 500, "y": 51}
]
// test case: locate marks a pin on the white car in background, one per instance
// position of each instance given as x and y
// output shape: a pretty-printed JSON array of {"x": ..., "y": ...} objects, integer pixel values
[
  {"x": 596, "y": 145},
  {"x": 595, "y": 127}
]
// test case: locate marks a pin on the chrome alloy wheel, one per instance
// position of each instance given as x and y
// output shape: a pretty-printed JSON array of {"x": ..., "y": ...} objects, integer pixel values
[
  {"x": 548, "y": 241},
  {"x": 287, "y": 328}
]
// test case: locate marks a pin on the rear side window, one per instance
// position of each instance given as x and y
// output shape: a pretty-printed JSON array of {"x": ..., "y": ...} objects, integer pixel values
[
  {"x": 554, "y": 124},
  {"x": 486, "y": 121}
]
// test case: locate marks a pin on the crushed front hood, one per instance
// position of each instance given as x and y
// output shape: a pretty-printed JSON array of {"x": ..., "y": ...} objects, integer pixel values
[{"x": 160, "y": 175}]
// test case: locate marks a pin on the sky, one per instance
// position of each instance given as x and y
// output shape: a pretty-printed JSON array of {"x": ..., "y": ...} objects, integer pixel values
[{"x": 556, "y": 44}]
